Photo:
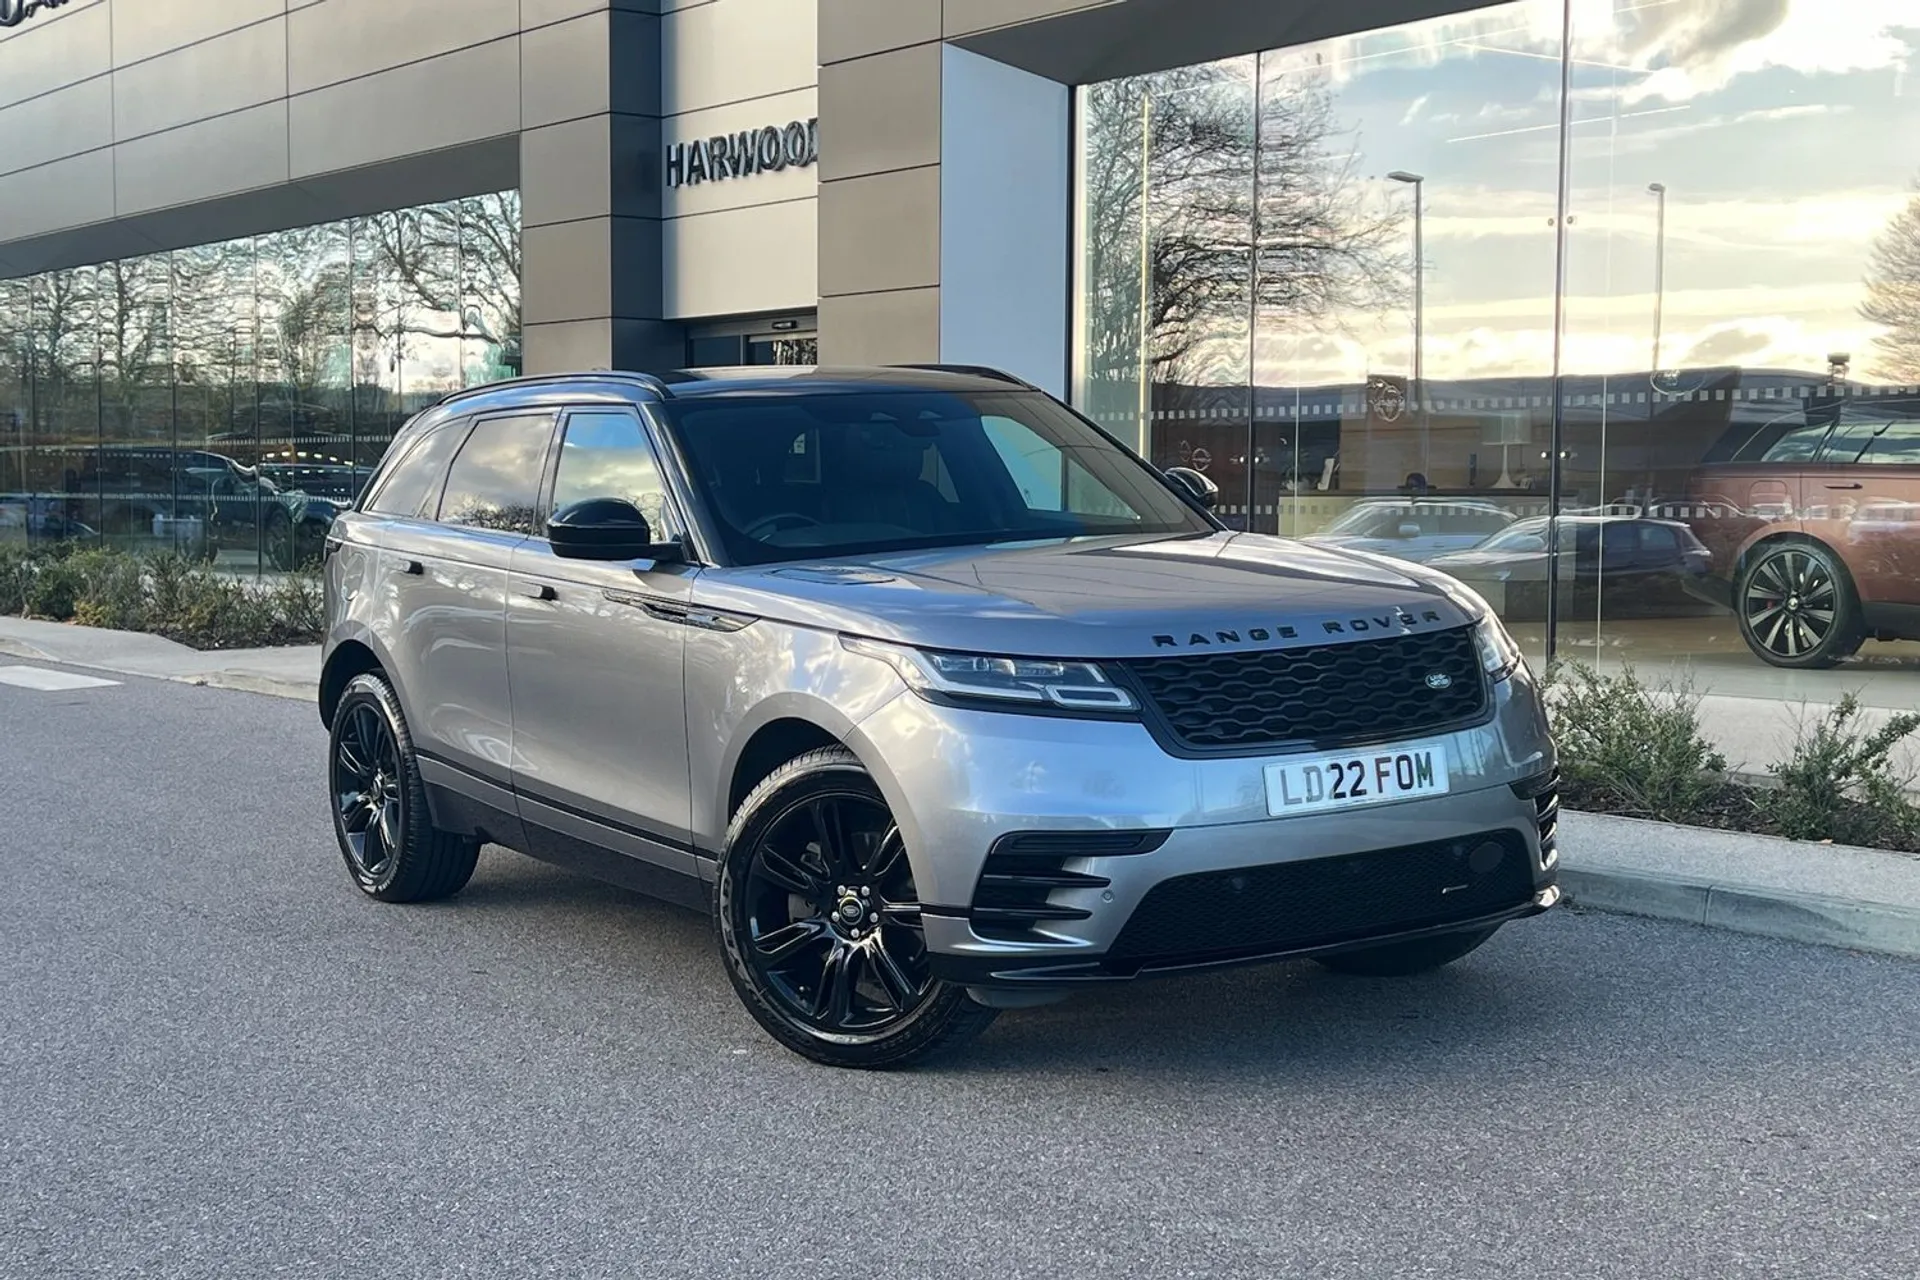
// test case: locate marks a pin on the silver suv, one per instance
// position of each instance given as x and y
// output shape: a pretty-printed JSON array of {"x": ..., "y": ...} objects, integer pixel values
[{"x": 940, "y": 700}]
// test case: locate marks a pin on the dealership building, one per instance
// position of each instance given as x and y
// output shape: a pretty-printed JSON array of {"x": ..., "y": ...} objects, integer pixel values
[{"x": 1414, "y": 273}]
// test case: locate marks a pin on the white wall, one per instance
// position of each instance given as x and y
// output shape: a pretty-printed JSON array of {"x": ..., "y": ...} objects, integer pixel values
[
  {"x": 1005, "y": 187},
  {"x": 746, "y": 244}
]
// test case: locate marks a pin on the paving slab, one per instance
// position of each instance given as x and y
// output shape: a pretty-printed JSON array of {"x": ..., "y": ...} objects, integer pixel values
[{"x": 291, "y": 671}]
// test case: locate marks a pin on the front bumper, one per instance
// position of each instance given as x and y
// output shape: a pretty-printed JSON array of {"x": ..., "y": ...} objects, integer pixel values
[{"x": 1037, "y": 840}]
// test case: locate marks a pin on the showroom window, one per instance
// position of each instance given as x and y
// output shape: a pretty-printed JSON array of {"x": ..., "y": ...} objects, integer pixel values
[
  {"x": 225, "y": 400},
  {"x": 1605, "y": 259}
]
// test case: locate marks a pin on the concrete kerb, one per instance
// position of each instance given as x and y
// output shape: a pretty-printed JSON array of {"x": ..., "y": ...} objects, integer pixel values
[{"x": 291, "y": 672}]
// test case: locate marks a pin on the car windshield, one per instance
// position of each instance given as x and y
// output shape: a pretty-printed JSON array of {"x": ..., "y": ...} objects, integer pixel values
[{"x": 791, "y": 477}]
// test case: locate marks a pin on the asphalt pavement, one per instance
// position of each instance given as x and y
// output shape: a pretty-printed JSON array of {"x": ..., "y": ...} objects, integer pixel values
[{"x": 217, "y": 1059}]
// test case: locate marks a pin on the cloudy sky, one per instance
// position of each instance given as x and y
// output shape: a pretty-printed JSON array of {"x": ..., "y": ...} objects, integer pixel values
[{"x": 1786, "y": 131}]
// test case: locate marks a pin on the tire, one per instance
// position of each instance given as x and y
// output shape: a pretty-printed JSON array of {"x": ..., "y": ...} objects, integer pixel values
[
  {"x": 279, "y": 540},
  {"x": 380, "y": 817},
  {"x": 1797, "y": 606},
  {"x": 1404, "y": 959},
  {"x": 819, "y": 922}
]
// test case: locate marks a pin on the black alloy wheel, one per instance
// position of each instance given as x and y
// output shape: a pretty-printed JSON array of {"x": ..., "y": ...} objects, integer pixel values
[
  {"x": 380, "y": 813},
  {"x": 820, "y": 922},
  {"x": 367, "y": 800},
  {"x": 1797, "y": 607}
]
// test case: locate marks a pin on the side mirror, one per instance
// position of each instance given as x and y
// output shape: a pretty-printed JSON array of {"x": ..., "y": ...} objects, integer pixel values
[
  {"x": 606, "y": 529},
  {"x": 1408, "y": 529},
  {"x": 1198, "y": 489}
]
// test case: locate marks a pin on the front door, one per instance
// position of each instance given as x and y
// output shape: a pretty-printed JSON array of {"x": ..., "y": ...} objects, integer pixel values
[{"x": 595, "y": 652}]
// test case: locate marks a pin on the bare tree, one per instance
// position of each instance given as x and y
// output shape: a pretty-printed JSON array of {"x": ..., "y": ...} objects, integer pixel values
[
  {"x": 1893, "y": 295},
  {"x": 1178, "y": 149}
]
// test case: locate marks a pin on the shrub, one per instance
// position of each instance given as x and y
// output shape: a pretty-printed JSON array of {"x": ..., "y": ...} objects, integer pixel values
[
  {"x": 1638, "y": 748},
  {"x": 167, "y": 594},
  {"x": 1840, "y": 782}
]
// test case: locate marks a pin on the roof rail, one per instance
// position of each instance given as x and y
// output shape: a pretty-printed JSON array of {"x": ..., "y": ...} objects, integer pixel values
[
  {"x": 977, "y": 370},
  {"x": 647, "y": 380}
]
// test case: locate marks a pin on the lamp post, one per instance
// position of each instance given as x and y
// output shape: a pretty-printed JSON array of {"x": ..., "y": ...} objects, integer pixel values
[
  {"x": 1417, "y": 182},
  {"x": 1659, "y": 191}
]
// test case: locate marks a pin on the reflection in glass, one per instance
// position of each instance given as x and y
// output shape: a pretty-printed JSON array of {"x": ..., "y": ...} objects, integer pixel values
[
  {"x": 227, "y": 401},
  {"x": 1695, "y": 306}
]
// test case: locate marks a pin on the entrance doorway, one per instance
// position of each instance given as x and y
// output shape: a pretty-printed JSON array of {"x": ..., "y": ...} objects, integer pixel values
[{"x": 757, "y": 340}]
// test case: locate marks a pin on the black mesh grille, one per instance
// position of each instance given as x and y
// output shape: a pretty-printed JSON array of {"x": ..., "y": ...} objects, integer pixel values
[
  {"x": 1288, "y": 906},
  {"x": 1364, "y": 690}
]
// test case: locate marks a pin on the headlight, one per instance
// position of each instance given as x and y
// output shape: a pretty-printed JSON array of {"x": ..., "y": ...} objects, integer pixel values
[
  {"x": 1498, "y": 653},
  {"x": 972, "y": 677}
]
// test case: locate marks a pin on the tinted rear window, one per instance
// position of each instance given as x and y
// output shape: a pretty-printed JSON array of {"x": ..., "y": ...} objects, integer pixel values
[{"x": 412, "y": 485}]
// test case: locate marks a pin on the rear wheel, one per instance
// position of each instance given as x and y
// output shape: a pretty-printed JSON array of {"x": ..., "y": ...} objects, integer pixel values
[
  {"x": 380, "y": 816},
  {"x": 1797, "y": 607},
  {"x": 819, "y": 922},
  {"x": 1403, "y": 959}
]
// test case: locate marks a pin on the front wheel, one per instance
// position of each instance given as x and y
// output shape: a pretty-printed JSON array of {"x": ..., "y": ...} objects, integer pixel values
[
  {"x": 819, "y": 922},
  {"x": 1797, "y": 607},
  {"x": 1404, "y": 959}
]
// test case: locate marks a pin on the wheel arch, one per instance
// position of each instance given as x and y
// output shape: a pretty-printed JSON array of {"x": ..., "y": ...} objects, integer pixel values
[
  {"x": 1779, "y": 537},
  {"x": 776, "y": 741},
  {"x": 349, "y": 658}
]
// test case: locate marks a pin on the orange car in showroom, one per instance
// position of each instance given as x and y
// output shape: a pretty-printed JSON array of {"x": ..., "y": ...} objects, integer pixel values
[{"x": 1813, "y": 519}]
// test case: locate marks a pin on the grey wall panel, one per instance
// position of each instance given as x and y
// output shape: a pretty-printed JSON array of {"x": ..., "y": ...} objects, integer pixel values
[
  {"x": 66, "y": 193},
  {"x": 565, "y": 173},
  {"x": 235, "y": 152},
  {"x": 338, "y": 40},
  {"x": 880, "y": 328},
  {"x": 438, "y": 103},
  {"x": 569, "y": 346},
  {"x": 537, "y": 13},
  {"x": 880, "y": 232},
  {"x": 856, "y": 28},
  {"x": 63, "y": 123},
  {"x": 142, "y": 31},
  {"x": 580, "y": 270},
  {"x": 52, "y": 52},
  {"x": 884, "y": 113},
  {"x": 963, "y": 17},
  {"x": 566, "y": 73},
  {"x": 240, "y": 69}
]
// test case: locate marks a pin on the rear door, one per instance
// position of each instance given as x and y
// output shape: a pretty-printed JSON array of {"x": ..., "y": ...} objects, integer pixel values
[
  {"x": 1869, "y": 476},
  {"x": 444, "y": 567}
]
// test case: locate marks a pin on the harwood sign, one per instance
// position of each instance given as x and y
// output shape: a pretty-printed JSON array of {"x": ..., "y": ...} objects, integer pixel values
[{"x": 739, "y": 155}]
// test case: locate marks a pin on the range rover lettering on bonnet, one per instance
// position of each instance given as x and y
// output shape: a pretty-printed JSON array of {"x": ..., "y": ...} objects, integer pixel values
[{"x": 1388, "y": 621}]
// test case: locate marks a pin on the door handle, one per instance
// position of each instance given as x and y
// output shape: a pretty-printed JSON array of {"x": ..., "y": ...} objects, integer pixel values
[
  {"x": 538, "y": 591},
  {"x": 1843, "y": 486},
  {"x": 413, "y": 567}
]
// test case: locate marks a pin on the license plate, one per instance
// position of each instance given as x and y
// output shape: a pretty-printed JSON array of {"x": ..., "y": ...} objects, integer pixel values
[{"x": 1313, "y": 784}]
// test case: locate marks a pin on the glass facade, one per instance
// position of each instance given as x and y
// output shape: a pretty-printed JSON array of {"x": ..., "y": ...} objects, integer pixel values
[
  {"x": 1648, "y": 267},
  {"x": 226, "y": 400}
]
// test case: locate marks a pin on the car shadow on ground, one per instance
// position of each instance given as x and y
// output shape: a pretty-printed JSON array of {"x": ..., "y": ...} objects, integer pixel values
[{"x": 1567, "y": 996}]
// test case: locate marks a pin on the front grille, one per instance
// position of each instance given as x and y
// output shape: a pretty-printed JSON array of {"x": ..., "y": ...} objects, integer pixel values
[
  {"x": 1287, "y": 906},
  {"x": 1361, "y": 691}
]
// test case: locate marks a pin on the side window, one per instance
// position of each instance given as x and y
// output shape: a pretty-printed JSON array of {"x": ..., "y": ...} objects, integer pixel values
[
  {"x": 1797, "y": 443},
  {"x": 1897, "y": 445},
  {"x": 410, "y": 487},
  {"x": 606, "y": 454},
  {"x": 494, "y": 482}
]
